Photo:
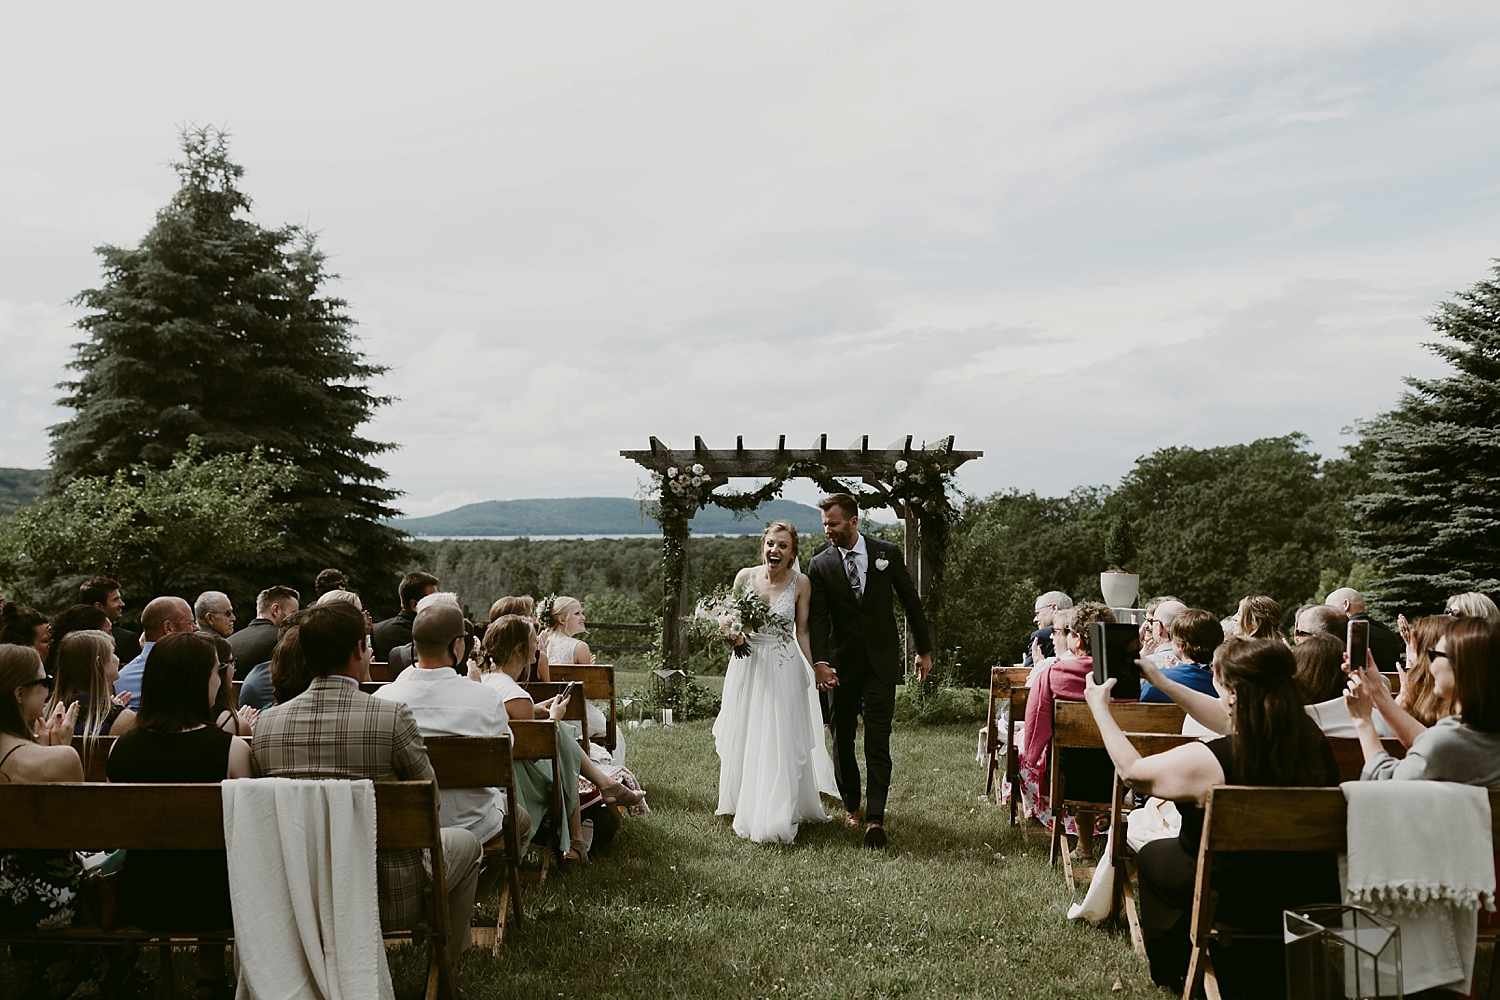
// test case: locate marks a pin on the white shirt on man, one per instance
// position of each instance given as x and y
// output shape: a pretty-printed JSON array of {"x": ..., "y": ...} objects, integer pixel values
[
  {"x": 445, "y": 704},
  {"x": 861, "y": 560}
]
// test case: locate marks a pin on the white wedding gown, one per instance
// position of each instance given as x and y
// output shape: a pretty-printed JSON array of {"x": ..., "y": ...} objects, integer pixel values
[{"x": 769, "y": 736}]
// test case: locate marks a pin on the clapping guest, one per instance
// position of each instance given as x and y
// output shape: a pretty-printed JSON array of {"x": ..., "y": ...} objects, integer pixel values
[
  {"x": 228, "y": 715},
  {"x": 1464, "y": 746},
  {"x": 1271, "y": 741},
  {"x": 87, "y": 669},
  {"x": 1473, "y": 605},
  {"x": 175, "y": 741},
  {"x": 1258, "y": 617},
  {"x": 76, "y": 618},
  {"x": 25, "y": 627},
  {"x": 1195, "y": 635},
  {"x": 1039, "y": 644},
  {"x": 1418, "y": 695},
  {"x": 1087, "y": 773},
  {"x": 40, "y": 885},
  {"x": 1156, "y": 631}
]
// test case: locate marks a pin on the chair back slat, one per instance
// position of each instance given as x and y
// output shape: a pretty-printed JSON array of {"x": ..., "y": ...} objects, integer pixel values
[
  {"x": 598, "y": 685},
  {"x": 1150, "y": 744},
  {"x": 94, "y": 761},
  {"x": 533, "y": 740},
  {"x": 1073, "y": 722},
  {"x": 380, "y": 671},
  {"x": 371, "y": 687},
  {"x": 470, "y": 761},
  {"x": 1017, "y": 676},
  {"x": 1243, "y": 818},
  {"x": 1350, "y": 756}
]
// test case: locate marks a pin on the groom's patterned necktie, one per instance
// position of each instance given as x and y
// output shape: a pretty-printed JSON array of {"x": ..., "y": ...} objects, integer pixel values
[{"x": 852, "y": 565}]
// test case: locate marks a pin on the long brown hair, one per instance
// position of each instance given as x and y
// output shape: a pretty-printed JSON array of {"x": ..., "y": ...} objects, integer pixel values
[
  {"x": 1418, "y": 695},
  {"x": 1474, "y": 651},
  {"x": 18, "y": 666},
  {"x": 505, "y": 639},
  {"x": 1275, "y": 742},
  {"x": 1320, "y": 667},
  {"x": 80, "y": 661}
]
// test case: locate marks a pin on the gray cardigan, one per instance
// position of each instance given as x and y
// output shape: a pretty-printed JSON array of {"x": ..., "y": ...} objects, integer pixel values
[{"x": 1447, "y": 751}]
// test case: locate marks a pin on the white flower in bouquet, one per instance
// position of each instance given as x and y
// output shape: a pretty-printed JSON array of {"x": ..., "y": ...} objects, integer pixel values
[
  {"x": 901, "y": 465},
  {"x": 697, "y": 481},
  {"x": 672, "y": 472},
  {"x": 697, "y": 470}
]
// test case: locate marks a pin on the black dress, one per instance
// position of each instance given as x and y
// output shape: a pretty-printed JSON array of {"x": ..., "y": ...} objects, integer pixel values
[
  {"x": 1254, "y": 888},
  {"x": 174, "y": 890}
]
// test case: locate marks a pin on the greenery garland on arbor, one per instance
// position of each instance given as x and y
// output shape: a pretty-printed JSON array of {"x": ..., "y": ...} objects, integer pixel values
[{"x": 920, "y": 485}]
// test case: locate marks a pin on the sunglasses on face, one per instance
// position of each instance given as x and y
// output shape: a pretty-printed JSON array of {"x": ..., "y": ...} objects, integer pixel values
[
  {"x": 1455, "y": 612},
  {"x": 1303, "y": 634},
  {"x": 46, "y": 682},
  {"x": 1436, "y": 654}
]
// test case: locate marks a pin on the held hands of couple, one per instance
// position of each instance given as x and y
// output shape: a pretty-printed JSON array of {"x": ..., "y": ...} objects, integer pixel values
[{"x": 824, "y": 677}]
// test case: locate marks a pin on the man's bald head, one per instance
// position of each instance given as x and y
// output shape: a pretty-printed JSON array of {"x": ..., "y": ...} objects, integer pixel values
[
  {"x": 1346, "y": 599},
  {"x": 165, "y": 615},
  {"x": 1166, "y": 612}
]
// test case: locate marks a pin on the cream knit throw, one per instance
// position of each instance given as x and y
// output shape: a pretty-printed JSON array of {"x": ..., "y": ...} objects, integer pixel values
[{"x": 1413, "y": 843}]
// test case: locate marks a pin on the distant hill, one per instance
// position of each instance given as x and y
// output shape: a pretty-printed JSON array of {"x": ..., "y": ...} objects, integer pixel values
[
  {"x": 20, "y": 488},
  {"x": 594, "y": 516}
]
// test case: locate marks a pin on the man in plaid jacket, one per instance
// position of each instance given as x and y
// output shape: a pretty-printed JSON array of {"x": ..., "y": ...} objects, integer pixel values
[{"x": 335, "y": 730}]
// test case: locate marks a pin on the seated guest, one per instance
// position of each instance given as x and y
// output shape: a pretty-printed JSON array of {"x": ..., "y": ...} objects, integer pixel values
[
  {"x": 562, "y": 618},
  {"x": 175, "y": 740},
  {"x": 1195, "y": 635},
  {"x": 253, "y": 643},
  {"x": 1039, "y": 643},
  {"x": 401, "y": 657},
  {"x": 1088, "y": 774},
  {"x": 104, "y": 594},
  {"x": 86, "y": 671},
  {"x": 25, "y": 627},
  {"x": 1385, "y": 644},
  {"x": 396, "y": 631},
  {"x": 76, "y": 618},
  {"x": 445, "y": 702},
  {"x": 350, "y": 597},
  {"x": 164, "y": 616},
  {"x": 1464, "y": 746},
  {"x": 1320, "y": 619},
  {"x": 1160, "y": 613},
  {"x": 1320, "y": 667},
  {"x": 1271, "y": 742},
  {"x": 329, "y": 579},
  {"x": 215, "y": 613},
  {"x": 335, "y": 730},
  {"x": 1473, "y": 605},
  {"x": 228, "y": 715},
  {"x": 509, "y": 645},
  {"x": 1258, "y": 617},
  {"x": 1418, "y": 696},
  {"x": 40, "y": 885},
  {"x": 258, "y": 691},
  {"x": 525, "y": 606}
]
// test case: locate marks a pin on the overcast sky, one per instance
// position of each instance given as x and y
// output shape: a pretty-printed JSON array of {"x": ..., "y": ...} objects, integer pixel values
[{"x": 1068, "y": 234}]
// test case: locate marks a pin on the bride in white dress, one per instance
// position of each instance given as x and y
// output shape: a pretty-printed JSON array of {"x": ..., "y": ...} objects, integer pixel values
[{"x": 769, "y": 735}]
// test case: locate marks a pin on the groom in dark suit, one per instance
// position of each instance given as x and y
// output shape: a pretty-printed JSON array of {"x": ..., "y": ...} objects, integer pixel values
[{"x": 857, "y": 651}]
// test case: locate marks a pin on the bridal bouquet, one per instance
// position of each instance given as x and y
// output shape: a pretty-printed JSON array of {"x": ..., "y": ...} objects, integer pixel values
[{"x": 730, "y": 615}]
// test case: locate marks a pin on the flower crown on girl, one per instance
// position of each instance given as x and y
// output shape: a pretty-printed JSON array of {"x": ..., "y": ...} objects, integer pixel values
[{"x": 546, "y": 612}]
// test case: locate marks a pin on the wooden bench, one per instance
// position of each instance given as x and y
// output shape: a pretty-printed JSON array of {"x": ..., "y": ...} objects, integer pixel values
[
  {"x": 372, "y": 687},
  {"x": 380, "y": 671},
  {"x": 486, "y": 762},
  {"x": 598, "y": 685},
  {"x": 1002, "y": 679},
  {"x": 576, "y": 712},
  {"x": 1241, "y": 818},
  {"x": 1073, "y": 727},
  {"x": 170, "y": 817}
]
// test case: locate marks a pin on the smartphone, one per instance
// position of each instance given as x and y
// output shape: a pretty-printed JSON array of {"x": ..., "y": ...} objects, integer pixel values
[
  {"x": 1116, "y": 647},
  {"x": 1358, "y": 644},
  {"x": 567, "y": 694}
]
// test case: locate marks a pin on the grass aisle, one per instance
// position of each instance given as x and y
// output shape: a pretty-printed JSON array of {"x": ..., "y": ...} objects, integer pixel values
[{"x": 680, "y": 907}]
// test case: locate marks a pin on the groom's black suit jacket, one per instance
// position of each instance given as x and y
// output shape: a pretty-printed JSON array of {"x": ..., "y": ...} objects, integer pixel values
[{"x": 840, "y": 622}]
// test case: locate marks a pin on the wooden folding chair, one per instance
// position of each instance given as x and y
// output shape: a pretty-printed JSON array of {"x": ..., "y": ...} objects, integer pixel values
[
  {"x": 537, "y": 741},
  {"x": 1122, "y": 857},
  {"x": 173, "y": 817},
  {"x": 1073, "y": 727},
  {"x": 1350, "y": 756},
  {"x": 94, "y": 760},
  {"x": 371, "y": 687},
  {"x": 1018, "y": 697},
  {"x": 380, "y": 671},
  {"x": 576, "y": 712},
  {"x": 485, "y": 762},
  {"x": 598, "y": 685},
  {"x": 1001, "y": 680}
]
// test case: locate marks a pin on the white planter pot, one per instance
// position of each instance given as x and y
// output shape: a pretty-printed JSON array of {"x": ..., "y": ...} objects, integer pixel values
[{"x": 1120, "y": 589}]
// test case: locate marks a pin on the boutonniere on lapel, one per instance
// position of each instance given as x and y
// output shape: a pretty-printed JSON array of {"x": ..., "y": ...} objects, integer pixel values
[{"x": 882, "y": 563}]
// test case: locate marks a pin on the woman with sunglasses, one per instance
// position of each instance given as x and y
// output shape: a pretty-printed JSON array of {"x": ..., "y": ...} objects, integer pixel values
[
  {"x": 32, "y": 749},
  {"x": 1473, "y": 605},
  {"x": 1464, "y": 746}
]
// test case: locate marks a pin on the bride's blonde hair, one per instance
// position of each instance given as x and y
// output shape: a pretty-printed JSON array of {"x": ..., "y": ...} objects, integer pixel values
[{"x": 789, "y": 528}]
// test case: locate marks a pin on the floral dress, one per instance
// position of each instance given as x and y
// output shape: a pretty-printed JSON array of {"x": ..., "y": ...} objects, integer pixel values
[{"x": 39, "y": 891}]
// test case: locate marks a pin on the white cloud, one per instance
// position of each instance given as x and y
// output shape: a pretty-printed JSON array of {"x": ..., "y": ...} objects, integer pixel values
[{"x": 447, "y": 500}]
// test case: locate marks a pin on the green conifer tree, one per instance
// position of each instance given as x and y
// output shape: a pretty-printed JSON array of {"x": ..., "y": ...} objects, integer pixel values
[
  {"x": 217, "y": 327},
  {"x": 1429, "y": 518}
]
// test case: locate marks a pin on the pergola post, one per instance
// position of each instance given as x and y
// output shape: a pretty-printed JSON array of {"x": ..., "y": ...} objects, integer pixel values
[{"x": 675, "y": 604}]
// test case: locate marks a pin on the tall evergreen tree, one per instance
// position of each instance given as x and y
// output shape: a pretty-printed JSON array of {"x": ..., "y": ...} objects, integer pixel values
[
  {"x": 1430, "y": 518},
  {"x": 217, "y": 327}
]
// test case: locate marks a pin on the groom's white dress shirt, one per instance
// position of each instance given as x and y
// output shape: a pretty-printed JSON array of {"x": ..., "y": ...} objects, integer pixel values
[{"x": 861, "y": 561}]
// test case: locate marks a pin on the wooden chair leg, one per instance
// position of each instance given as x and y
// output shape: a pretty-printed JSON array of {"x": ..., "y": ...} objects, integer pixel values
[
  {"x": 165, "y": 984},
  {"x": 1067, "y": 857},
  {"x": 1055, "y": 785},
  {"x": 439, "y": 970},
  {"x": 1210, "y": 981}
]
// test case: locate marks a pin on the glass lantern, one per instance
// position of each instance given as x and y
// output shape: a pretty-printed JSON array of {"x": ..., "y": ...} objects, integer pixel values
[{"x": 1341, "y": 953}]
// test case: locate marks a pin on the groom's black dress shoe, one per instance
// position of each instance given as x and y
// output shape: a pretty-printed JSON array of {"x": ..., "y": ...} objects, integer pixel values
[{"x": 874, "y": 836}]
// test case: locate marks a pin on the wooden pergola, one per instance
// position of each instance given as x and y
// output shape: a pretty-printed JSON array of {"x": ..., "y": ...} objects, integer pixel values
[{"x": 875, "y": 468}]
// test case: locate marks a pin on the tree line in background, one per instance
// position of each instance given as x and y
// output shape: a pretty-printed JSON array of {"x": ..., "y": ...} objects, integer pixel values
[{"x": 215, "y": 443}]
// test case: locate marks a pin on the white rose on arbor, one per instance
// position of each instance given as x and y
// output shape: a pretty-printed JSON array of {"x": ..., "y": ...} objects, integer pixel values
[
  {"x": 672, "y": 473},
  {"x": 697, "y": 470},
  {"x": 901, "y": 465}
]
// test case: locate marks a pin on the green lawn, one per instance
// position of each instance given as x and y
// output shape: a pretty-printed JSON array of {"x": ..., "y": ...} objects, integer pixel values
[{"x": 959, "y": 905}]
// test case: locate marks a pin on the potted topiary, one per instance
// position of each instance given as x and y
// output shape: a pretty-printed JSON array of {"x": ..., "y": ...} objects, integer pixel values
[{"x": 1119, "y": 586}]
